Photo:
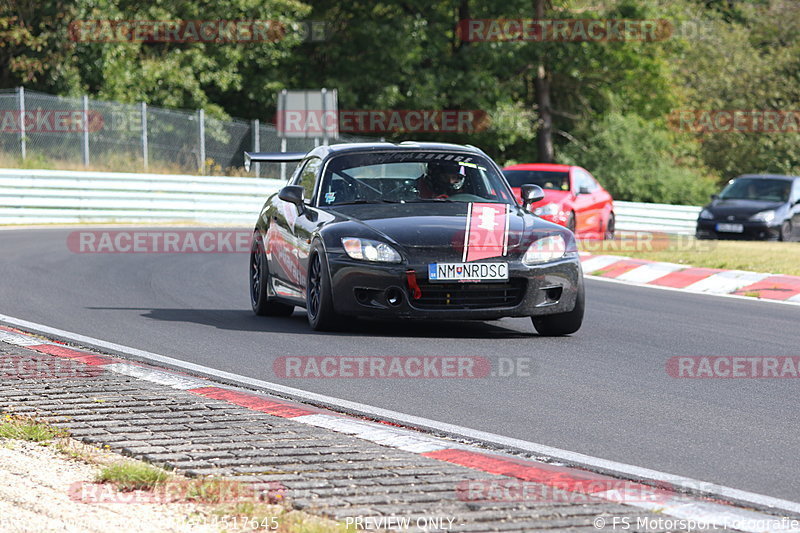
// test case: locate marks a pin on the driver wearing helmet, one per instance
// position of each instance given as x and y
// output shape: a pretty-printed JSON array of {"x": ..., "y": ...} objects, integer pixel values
[{"x": 441, "y": 179}]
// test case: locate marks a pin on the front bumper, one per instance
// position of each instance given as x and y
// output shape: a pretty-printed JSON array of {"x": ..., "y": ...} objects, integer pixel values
[
  {"x": 753, "y": 230},
  {"x": 382, "y": 291}
]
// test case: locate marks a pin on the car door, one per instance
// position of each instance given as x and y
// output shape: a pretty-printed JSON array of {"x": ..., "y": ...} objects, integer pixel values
[
  {"x": 600, "y": 201},
  {"x": 795, "y": 208},
  {"x": 284, "y": 249},
  {"x": 584, "y": 201},
  {"x": 307, "y": 222}
]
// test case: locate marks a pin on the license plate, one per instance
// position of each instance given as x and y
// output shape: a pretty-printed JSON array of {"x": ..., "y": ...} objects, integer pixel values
[
  {"x": 468, "y": 272},
  {"x": 730, "y": 228}
]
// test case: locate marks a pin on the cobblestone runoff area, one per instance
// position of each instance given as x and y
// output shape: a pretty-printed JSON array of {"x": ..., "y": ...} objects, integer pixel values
[{"x": 324, "y": 472}]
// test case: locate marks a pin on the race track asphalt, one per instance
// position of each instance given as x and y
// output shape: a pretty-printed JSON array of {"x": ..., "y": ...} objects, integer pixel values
[{"x": 602, "y": 392}]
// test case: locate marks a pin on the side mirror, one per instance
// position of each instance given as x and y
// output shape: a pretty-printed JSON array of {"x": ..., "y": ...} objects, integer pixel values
[
  {"x": 294, "y": 195},
  {"x": 531, "y": 194},
  {"x": 714, "y": 197}
]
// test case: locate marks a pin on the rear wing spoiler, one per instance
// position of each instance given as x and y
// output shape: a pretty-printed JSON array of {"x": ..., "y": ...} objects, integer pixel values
[{"x": 272, "y": 157}]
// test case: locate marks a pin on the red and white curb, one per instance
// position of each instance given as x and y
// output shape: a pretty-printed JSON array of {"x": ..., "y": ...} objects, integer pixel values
[
  {"x": 756, "y": 285},
  {"x": 662, "y": 498}
]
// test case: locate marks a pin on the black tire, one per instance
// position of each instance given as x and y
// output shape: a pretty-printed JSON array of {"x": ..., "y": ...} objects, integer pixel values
[
  {"x": 610, "y": 228},
  {"x": 319, "y": 297},
  {"x": 562, "y": 323},
  {"x": 259, "y": 280},
  {"x": 571, "y": 221},
  {"x": 786, "y": 231}
]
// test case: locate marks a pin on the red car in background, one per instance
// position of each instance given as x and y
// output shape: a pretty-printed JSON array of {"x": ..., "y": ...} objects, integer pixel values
[{"x": 572, "y": 197}]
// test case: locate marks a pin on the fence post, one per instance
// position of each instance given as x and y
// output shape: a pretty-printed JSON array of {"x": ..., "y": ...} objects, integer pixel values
[
  {"x": 283, "y": 165},
  {"x": 324, "y": 118},
  {"x": 201, "y": 122},
  {"x": 256, "y": 146},
  {"x": 21, "y": 98},
  {"x": 85, "y": 130},
  {"x": 144, "y": 134}
]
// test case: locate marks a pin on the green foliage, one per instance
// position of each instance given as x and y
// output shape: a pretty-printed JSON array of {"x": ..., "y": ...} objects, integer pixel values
[
  {"x": 34, "y": 50},
  {"x": 611, "y": 98},
  {"x": 30, "y": 429},
  {"x": 641, "y": 161},
  {"x": 747, "y": 58},
  {"x": 132, "y": 475}
]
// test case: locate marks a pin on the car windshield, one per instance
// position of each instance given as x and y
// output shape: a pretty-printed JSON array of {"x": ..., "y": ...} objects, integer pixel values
[
  {"x": 406, "y": 177},
  {"x": 546, "y": 179},
  {"x": 772, "y": 190}
]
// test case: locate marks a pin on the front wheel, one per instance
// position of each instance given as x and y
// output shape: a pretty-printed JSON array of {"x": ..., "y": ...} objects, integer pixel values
[
  {"x": 786, "y": 231},
  {"x": 571, "y": 225},
  {"x": 319, "y": 297},
  {"x": 609, "y": 233},
  {"x": 561, "y": 323},
  {"x": 259, "y": 280}
]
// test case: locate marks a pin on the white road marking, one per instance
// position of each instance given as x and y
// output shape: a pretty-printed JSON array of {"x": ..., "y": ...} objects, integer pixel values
[
  {"x": 791, "y": 301},
  {"x": 20, "y": 340},
  {"x": 373, "y": 432},
  {"x": 726, "y": 282},
  {"x": 649, "y": 272},
  {"x": 169, "y": 379},
  {"x": 599, "y": 262}
]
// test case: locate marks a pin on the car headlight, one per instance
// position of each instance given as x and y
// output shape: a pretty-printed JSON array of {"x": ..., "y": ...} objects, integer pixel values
[
  {"x": 369, "y": 250},
  {"x": 764, "y": 216},
  {"x": 548, "y": 209},
  {"x": 545, "y": 249},
  {"x": 706, "y": 214}
]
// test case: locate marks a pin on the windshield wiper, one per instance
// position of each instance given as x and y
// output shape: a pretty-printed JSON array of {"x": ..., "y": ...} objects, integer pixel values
[
  {"x": 365, "y": 201},
  {"x": 420, "y": 200}
]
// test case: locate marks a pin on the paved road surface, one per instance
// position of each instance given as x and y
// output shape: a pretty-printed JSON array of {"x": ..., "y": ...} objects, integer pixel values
[{"x": 602, "y": 392}]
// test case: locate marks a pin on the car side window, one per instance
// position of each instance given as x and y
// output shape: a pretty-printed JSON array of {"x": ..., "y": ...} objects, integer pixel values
[
  {"x": 796, "y": 192},
  {"x": 583, "y": 179},
  {"x": 307, "y": 177}
]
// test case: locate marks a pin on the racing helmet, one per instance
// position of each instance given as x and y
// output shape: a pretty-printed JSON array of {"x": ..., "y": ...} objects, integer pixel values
[{"x": 446, "y": 177}]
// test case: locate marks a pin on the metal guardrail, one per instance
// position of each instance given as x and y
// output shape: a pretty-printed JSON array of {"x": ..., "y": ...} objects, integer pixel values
[
  {"x": 678, "y": 219},
  {"x": 57, "y": 196}
]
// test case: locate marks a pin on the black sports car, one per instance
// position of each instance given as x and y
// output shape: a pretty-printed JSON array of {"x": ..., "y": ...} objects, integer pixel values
[
  {"x": 754, "y": 206},
  {"x": 410, "y": 230}
]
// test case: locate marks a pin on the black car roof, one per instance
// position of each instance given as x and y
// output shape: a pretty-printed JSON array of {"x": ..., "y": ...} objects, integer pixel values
[
  {"x": 768, "y": 176},
  {"x": 405, "y": 146}
]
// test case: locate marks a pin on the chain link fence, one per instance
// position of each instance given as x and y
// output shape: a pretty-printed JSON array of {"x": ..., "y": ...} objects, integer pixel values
[{"x": 40, "y": 127}]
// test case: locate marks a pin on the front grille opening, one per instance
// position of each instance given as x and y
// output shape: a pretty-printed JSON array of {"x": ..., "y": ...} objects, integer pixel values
[{"x": 470, "y": 295}]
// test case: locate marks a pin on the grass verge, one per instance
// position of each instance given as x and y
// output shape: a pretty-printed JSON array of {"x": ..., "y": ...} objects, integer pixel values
[
  {"x": 756, "y": 256},
  {"x": 229, "y": 504},
  {"x": 132, "y": 475},
  {"x": 28, "y": 428}
]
